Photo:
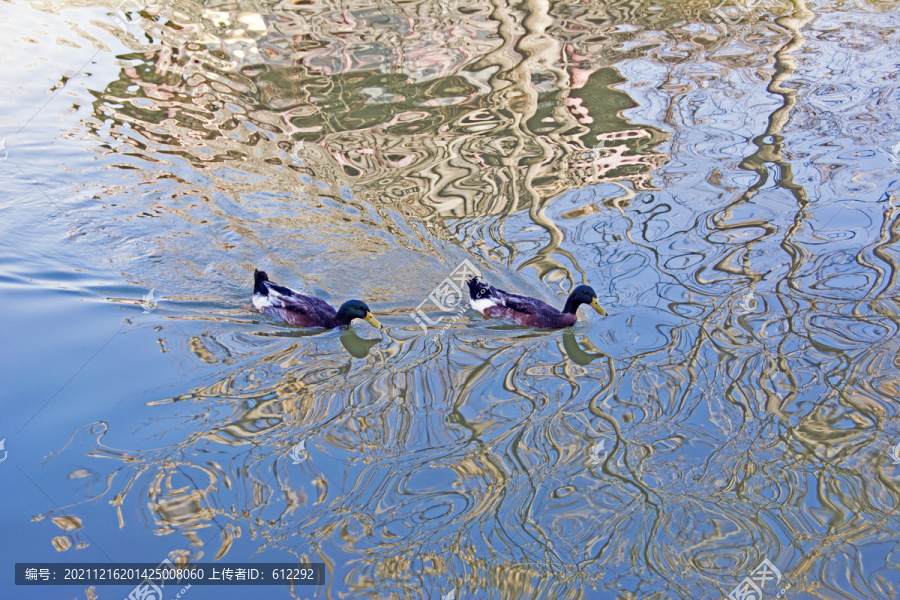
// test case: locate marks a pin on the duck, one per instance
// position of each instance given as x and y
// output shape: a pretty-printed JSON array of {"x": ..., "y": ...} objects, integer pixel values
[
  {"x": 531, "y": 312},
  {"x": 305, "y": 311}
]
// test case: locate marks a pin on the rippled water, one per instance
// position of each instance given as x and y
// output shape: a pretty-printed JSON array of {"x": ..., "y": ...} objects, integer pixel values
[{"x": 728, "y": 183}]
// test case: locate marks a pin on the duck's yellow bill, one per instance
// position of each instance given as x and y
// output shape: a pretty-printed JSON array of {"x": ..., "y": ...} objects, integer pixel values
[
  {"x": 372, "y": 321},
  {"x": 595, "y": 304}
]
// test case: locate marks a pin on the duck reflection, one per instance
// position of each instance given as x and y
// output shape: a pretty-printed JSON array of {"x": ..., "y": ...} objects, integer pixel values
[
  {"x": 357, "y": 347},
  {"x": 577, "y": 353}
]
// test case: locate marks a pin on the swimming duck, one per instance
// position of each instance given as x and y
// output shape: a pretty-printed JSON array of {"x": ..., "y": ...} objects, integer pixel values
[
  {"x": 305, "y": 311},
  {"x": 531, "y": 312}
]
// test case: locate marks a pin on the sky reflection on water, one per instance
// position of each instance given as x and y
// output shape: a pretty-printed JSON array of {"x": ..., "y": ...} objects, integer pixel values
[{"x": 729, "y": 189}]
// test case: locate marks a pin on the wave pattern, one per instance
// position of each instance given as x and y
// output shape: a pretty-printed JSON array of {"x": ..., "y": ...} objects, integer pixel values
[{"x": 726, "y": 187}]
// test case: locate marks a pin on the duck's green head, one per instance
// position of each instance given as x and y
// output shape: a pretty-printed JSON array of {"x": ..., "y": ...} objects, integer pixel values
[
  {"x": 583, "y": 294},
  {"x": 356, "y": 309}
]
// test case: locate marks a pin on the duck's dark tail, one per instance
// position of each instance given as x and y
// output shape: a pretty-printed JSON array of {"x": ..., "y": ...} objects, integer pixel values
[
  {"x": 478, "y": 289},
  {"x": 258, "y": 286}
]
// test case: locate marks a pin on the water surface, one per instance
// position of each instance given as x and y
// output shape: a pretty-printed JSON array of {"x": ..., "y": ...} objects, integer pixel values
[{"x": 727, "y": 185}]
